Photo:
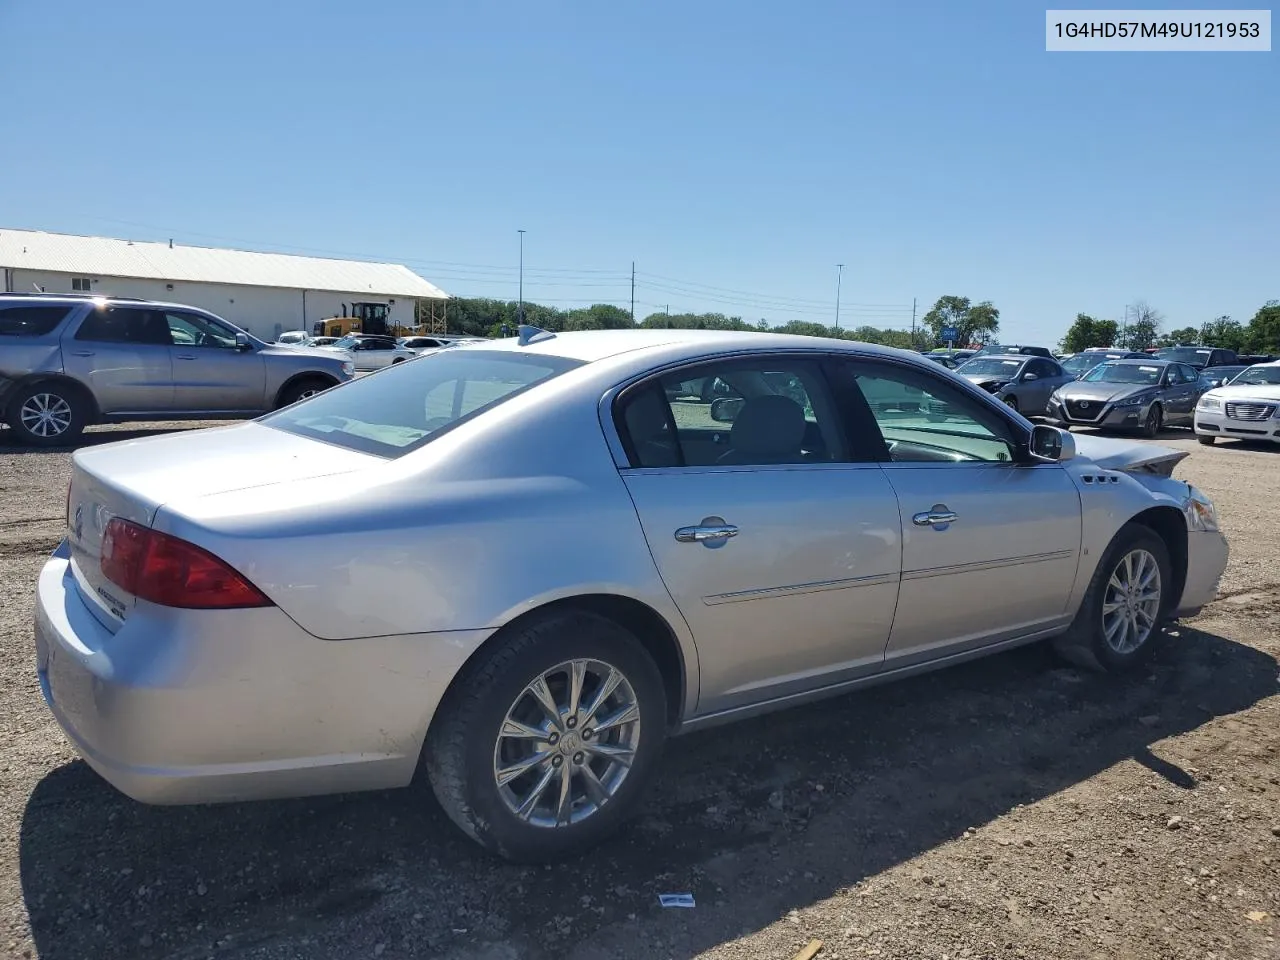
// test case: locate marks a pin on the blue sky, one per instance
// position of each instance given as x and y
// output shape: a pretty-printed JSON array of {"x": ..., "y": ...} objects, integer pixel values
[{"x": 735, "y": 151}]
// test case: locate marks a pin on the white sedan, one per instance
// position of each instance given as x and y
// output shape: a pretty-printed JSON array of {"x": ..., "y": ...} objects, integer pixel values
[
  {"x": 552, "y": 562},
  {"x": 1247, "y": 408},
  {"x": 371, "y": 352}
]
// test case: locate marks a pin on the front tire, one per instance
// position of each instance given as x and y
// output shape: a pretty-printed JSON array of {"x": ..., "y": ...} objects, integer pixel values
[
  {"x": 1154, "y": 422},
  {"x": 48, "y": 415},
  {"x": 303, "y": 389},
  {"x": 1118, "y": 623},
  {"x": 546, "y": 742},
  {"x": 1206, "y": 440}
]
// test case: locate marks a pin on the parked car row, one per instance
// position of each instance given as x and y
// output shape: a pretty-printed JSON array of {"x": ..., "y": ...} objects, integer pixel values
[{"x": 1126, "y": 390}]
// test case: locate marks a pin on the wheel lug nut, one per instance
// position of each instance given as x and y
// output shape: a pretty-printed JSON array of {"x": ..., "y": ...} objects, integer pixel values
[
  {"x": 588, "y": 733},
  {"x": 578, "y": 758},
  {"x": 556, "y": 761},
  {"x": 553, "y": 739},
  {"x": 571, "y": 722}
]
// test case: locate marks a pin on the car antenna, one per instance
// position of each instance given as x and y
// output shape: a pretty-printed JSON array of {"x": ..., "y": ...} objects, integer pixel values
[{"x": 530, "y": 334}]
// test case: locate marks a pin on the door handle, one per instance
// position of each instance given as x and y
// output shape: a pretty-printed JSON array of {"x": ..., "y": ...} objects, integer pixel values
[
  {"x": 183, "y": 356},
  {"x": 938, "y": 516},
  {"x": 82, "y": 353},
  {"x": 712, "y": 532}
]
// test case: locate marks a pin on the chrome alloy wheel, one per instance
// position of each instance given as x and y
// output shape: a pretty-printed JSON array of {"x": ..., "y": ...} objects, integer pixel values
[
  {"x": 567, "y": 743},
  {"x": 45, "y": 415},
  {"x": 1131, "y": 603}
]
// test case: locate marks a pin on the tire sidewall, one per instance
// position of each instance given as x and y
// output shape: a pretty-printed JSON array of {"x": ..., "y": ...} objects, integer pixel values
[
  {"x": 578, "y": 636},
  {"x": 1131, "y": 537},
  {"x": 1156, "y": 412},
  {"x": 74, "y": 399},
  {"x": 294, "y": 393}
]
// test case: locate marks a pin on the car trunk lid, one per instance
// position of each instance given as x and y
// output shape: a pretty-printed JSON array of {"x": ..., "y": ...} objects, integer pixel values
[{"x": 133, "y": 479}]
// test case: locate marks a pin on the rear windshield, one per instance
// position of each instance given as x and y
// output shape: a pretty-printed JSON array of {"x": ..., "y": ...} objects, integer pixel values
[
  {"x": 30, "y": 320},
  {"x": 400, "y": 408}
]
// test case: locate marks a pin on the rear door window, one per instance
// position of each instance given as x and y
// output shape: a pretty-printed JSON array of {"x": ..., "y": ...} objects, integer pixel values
[
  {"x": 31, "y": 320},
  {"x": 134, "y": 325}
]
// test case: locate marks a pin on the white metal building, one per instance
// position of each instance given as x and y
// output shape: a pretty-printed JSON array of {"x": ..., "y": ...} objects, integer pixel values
[{"x": 264, "y": 293}]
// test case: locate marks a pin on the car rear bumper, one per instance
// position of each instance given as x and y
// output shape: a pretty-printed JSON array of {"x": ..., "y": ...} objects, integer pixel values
[
  {"x": 185, "y": 706},
  {"x": 1215, "y": 423},
  {"x": 1207, "y": 554}
]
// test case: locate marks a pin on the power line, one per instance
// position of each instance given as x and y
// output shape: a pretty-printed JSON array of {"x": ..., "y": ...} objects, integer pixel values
[
  {"x": 755, "y": 296},
  {"x": 567, "y": 277}
]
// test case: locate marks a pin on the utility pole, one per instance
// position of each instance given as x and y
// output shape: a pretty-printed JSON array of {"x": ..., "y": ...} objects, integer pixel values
[
  {"x": 666, "y": 308},
  {"x": 913, "y": 323},
  {"x": 839, "y": 276},
  {"x": 520, "y": 308},
  {"x": 633, "y": 293}
]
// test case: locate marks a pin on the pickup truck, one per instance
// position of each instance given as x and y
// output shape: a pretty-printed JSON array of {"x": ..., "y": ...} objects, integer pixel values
[{"x": 70, "y": 361}]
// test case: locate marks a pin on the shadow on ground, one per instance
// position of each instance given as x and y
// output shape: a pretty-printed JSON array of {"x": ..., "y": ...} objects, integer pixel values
[
  {"x": 754, "y": 819},
  {"x": 91, "y": 438}
]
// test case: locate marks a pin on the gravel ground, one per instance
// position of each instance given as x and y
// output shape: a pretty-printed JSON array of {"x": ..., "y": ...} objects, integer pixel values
[{"x": 1007, "y": 808}]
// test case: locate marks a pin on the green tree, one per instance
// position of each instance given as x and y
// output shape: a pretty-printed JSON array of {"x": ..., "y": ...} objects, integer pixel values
[
  {"x": 1223, "y": 332},
  {"x": 1180, "y": 337},
  {"x": 974, "y": 322},
  {"x": 600, "y": 316},
  {"x": 1087, "y": 332},
  {"x": 1263, "y": 333},
  {"x": 1144, "y": 330}
]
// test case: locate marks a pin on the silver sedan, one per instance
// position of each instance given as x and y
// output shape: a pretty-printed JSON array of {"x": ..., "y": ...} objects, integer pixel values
[{"x": 521, "y": 565}]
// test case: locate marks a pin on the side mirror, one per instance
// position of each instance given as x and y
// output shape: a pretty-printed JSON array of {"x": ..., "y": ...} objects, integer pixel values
[
  {"x": 1028, "y": 377},
  {"x": 242, "y": 342},
  {"x": 725, "y": 409},
  {"x": 1051, "y": 445}
]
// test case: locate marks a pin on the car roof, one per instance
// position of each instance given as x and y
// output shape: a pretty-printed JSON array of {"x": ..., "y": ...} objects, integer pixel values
[
  {"x": 1010, "y": 356},
  {"x": 1144, "y": 362},
  {"x": 97, "y": 298},
  {"x": 591, "y": 345}
]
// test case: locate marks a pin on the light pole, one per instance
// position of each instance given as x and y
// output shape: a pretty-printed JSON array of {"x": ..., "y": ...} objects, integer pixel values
[
  {"x": 839, "y": 277},
  {"x": 520, "y": 308}
]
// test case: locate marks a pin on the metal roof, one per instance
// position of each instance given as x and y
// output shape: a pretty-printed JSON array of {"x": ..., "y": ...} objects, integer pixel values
[{"x": 105, "y": 256}]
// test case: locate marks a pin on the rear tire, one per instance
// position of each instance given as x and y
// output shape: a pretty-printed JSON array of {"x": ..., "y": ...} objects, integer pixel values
[
  {"x": 304, "y": 389},
  {"x": 1110, "y": 633},
  {"x": 48, "y": 414},
  {"x": 1011, "y": 403},
  {"x": 492, "y": 724},
  {"x": 1207, "y": 441}
]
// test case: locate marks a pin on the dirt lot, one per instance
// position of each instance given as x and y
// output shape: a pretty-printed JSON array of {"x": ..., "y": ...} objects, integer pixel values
[{"x": 1009, "y": 808}]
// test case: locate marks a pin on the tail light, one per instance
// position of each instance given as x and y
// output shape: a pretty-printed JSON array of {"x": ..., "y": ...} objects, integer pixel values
[{"x": 165, "y": 570}]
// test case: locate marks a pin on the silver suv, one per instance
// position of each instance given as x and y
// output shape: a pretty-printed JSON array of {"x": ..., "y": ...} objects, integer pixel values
[{"x": 68, "y": 361}]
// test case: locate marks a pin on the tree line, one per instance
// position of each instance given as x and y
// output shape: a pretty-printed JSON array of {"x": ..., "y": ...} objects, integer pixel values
[
  {"x": 1261, "y": 335},
  {"x": 974, "y": 324},
  {"x": 481, "y": 317}
]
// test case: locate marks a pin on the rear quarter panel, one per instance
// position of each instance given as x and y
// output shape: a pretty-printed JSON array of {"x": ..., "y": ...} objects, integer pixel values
[
  {"x": 24, "y": 357},
  {"x": 516, "y": 509}
]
